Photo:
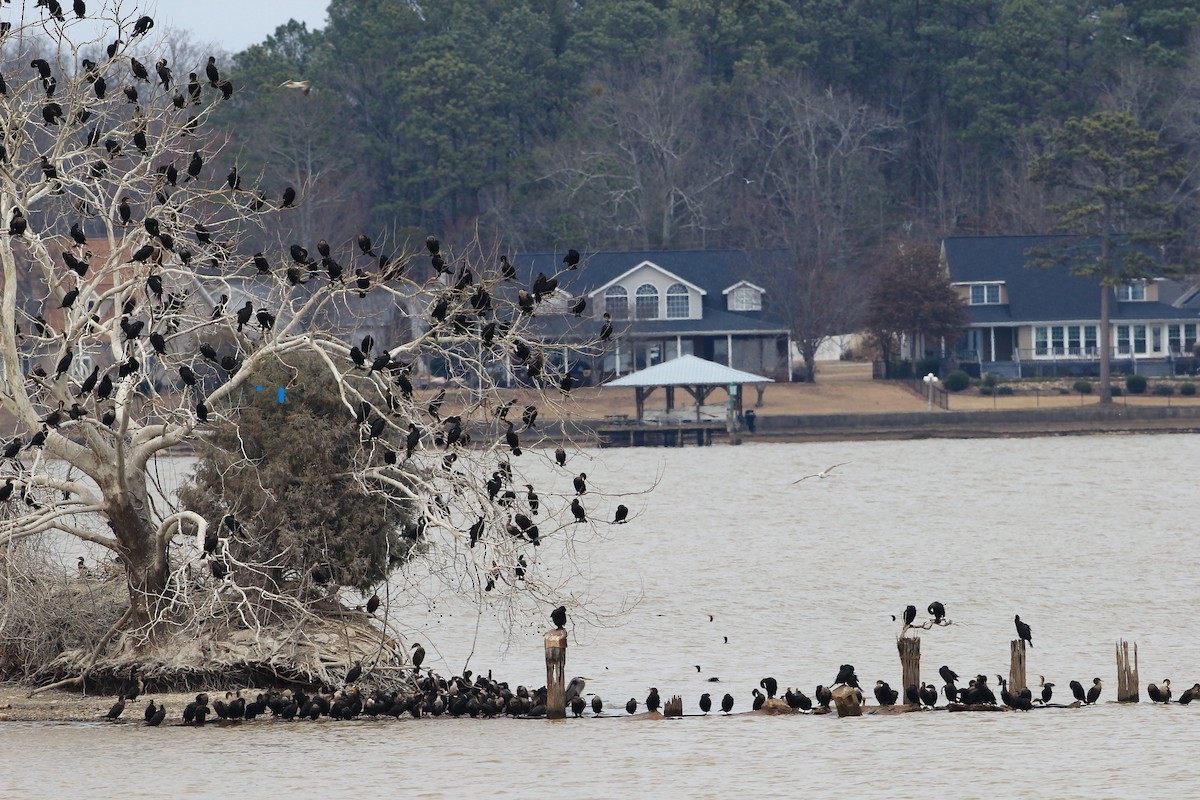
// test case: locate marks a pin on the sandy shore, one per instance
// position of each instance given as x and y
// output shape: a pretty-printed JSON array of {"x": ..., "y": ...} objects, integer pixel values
[{"x": 66, "y": 706}]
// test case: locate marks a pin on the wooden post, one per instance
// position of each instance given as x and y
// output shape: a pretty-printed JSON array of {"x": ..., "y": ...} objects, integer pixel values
[
  {"x": 556, "y": 670},
  {"x": 1127, "y": 679},
  {"x": 673, "y": 707},
  {"x": 845, "y": 699},
  {"x": 1016, "y": 667},
  {"x": 910, "y": 663}
]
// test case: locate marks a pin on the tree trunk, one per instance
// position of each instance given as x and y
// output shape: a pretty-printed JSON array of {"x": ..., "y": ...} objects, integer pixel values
[
  {"x": 1105, "y": 346},
  {"x": 142, "y": 554}
]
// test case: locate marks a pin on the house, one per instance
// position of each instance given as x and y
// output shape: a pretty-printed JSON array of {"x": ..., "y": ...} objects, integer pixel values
[
  {"x": 664, "y": 304},
  {"x": 1029, "y": 321}
]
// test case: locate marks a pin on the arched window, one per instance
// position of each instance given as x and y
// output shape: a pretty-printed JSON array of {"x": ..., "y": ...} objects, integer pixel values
[
  {"x": 647, "y": 301},
  {"x": 616, "y": 302},
  {"x": 677, "y": 302}
]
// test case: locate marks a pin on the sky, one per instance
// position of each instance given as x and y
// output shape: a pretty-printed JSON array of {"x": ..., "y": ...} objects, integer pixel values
[{"x": 235, "y": 24}]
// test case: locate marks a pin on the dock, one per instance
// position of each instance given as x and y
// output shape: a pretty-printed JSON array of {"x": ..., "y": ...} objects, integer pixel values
[{"x": 634, "y": 435}]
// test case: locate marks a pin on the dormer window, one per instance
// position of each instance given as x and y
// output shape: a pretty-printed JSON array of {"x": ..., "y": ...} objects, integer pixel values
[
  {"x": 616, "y": 302},
  {"x": 647, "y": 301},
  {"x": 1134, "y": 292},
  {"x": 985, "y": 294},
  {"x": 678, "y": 306},
  {"x": 744, "y": 296}
]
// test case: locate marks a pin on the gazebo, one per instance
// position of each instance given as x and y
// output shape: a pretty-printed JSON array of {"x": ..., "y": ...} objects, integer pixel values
[{"x": 696, "y": 376}]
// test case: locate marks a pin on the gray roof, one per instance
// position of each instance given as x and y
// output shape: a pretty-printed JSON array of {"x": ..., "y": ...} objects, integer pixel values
[
  {"x": 687, "y": 371},
  {"x": 1043, "y": 294},
  {"x": 711, "y": 270}
]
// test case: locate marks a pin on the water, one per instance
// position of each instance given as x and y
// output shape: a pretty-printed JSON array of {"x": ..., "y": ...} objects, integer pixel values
[{"x": 1087, "y": 538}]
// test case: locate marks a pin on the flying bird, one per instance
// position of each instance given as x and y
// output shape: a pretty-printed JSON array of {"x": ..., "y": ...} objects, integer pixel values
[
  {"x": 304, "y": 87},
  {"x": 822, "y": 474}
]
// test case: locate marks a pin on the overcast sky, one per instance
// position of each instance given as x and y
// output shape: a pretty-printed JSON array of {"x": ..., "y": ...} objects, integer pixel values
[{"x": 236, "y": 24}]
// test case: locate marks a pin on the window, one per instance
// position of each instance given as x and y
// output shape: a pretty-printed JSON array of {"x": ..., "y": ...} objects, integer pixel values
[
  {"x": 745, "y": 298},
  {"x": 677, "y": 302},
  {"x": 1040, "y": 346},
  {"x": 985, "y": 294},
  {"x": 1132, "y": 292},
  {"x": 647, "y": 302},
  {"x": 1065, "y": 340},
  {"x": 1091, "y": 345},
  {"x": 1181, "y": 338},
  {"x": 1139, "y": 338},
  {"x": 616, "y": 302},
  {"x": 1056, "y": 340},
  {"x": 1123, "y": 339}
]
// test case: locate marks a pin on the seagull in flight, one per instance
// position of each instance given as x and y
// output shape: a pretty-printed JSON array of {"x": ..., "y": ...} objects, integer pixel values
[
  {"x": 822, "y": 474},
  {"x": 303, "y": 86}
]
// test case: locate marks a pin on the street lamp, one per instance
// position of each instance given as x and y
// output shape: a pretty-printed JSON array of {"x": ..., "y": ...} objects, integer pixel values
[{"x": 930, "y": 380}]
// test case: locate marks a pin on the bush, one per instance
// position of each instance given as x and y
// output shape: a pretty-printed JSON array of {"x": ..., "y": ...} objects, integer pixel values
[
  {"x": 986, "y": 390},
  {"x": 1083, "y": 386},
  {"x": 956, "y": 381},
  {"x": 1004, "y": 391},
  {"x": 1164, "y": 390},
  {"x": 990, "y": 380},
  {"x": 1187, "y": 389},
  {"x": 1136, "y": 384},
  {"x": 1117, "y": 391}
]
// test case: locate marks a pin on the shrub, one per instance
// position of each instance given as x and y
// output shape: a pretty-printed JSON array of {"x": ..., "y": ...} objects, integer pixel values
[
  {"x": 1083, "y": 386},
  {"x": 1136, "y": 384},
  {"x": 986, "y": 390},
  {"x": 1004, "y": 391},
  {"x": 1117, "y": 391},
  {"x": 1164, "y": 390},
  {"x": 927, "y": 365},
  {"x": 1187, "y": 389},
  {"x": 990, "y": 380},
  {"x": 956, "y": 381}
]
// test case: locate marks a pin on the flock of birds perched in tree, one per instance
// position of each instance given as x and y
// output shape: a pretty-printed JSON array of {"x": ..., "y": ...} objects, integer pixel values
[{"x": 160, "y": 329}]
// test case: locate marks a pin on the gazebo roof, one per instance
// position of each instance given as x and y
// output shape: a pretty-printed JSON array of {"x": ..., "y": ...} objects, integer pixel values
[{"x": 687, "y": 371}]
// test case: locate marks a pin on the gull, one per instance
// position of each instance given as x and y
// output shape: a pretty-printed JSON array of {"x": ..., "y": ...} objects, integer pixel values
[
  {"x": 303, "y": 86},
  {"x": 822, "y": 474}
]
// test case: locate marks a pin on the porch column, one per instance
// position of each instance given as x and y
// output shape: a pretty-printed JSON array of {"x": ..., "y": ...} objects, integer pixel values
[
  {"x": 788, "y": 356},
  {"x": 992, "y": 330},
  {"x": 729, "y": 350},
  {"x": 678, "y": 345},
  {"x": 617, "y": 356}
]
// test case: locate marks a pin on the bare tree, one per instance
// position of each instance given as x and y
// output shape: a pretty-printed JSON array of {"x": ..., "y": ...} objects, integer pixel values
[
  {"x": 648, "y": 165},
  {"x": 818, "y": 192},
  {"x": 151, "y": 318}
]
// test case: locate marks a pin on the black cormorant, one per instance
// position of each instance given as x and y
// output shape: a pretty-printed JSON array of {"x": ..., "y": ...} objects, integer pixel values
[
  {"x": 1023, "y": 630},
  {"x": 727, "y": 703}
]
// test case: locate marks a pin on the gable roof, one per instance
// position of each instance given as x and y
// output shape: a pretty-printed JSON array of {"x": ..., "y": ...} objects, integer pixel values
[
  {"x": 652, "y": 265},
  {"x": 1040, "y": 294},
  {"x": 687, "y": 371},
  {"x": 710, "y": 271},
  {"x": 740, "y": 284}
]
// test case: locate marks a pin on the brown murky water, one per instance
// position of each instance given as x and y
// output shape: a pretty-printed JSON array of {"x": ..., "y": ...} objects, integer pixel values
[{"x": 1089, "y": 539}]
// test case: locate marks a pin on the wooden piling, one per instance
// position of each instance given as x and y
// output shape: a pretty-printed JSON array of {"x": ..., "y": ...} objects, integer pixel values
[
  {"x": 845, "y": 699},
  {"x": 1127, "y": 678},
  {"x": 910, "y": 663},
  {"x": 673, "y": 707},
  {"x": 1016, "y": 667},
  {"x": 556, "y": 670}
]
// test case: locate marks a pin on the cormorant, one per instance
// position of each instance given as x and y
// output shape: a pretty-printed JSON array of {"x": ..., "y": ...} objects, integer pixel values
[
  {"x": 846, "y": 675},
  {"x": 597, "y": 704},
  {"x": 885, "y": 694},
  {"x": 1077, "y": 691},
  {"x": 373, "y": 604},
  {"x": 580, "y": 483},
  {"x": 117, "y": 708},
  {"x": 1160, "y": 695},
  {"x": 577, "y": 510},
  {"x": 621, "y": 515},
  {"x": 1047, "y": 689},
  {"x": 706, "y": 702},
  {"x": 1190, "y": 694},
  {"x": 243, "y": 315},
  {"x": 534, "y": 502},
  {"x": 631, "y": 706},
  {"x": 771, "y": 685},
  {"x": 571, "y": 259},
  {"x": 910, "y": 615},
  {"x": 559, "y": 617},
  {"x": 1093, "y": 693},
  {"x": 355, "y": 672},
  {"x": 211, "y": 72},
  {"x": 1023, "y": 630},
  {"x": 928, "y": 694},
  {"x": 606, "y": 329},
  {"x": 158, "y": 717},
  {"x": 418, "y": 655},
  {"x": 824, "y": 696},
  {"x": 560, "y": 456},
  {"x": 289, "y": 197},
  {"x": 759, "y": 700},
  {"x": 727, "y": 703},
  {"x": 938, "y": 611}
]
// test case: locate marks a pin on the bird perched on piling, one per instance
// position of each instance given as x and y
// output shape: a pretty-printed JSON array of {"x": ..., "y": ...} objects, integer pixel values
[
  {"x": 1023, "y": 629},
  {"x": 938, "y": 611},
  {"x": 846, "y": 675},
  {"x": 559, "y": 617}
]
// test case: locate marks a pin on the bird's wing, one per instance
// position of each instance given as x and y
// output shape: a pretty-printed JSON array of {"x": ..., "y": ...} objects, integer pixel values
[
  {"x": 835, "y": 466},
  {"x": 806, "y": 477}
]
